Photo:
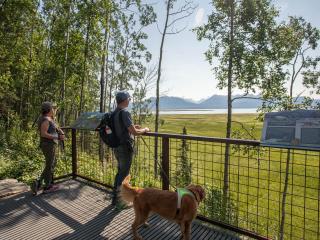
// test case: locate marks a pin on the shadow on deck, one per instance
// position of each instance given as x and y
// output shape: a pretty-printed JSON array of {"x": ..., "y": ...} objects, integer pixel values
[{"x": 80, "y": 211}]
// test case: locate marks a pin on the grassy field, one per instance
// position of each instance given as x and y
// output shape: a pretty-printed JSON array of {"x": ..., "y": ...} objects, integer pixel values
[{"x": 212, "y": 125}]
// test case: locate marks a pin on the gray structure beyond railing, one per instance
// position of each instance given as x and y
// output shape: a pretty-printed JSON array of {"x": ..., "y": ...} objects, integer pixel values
[{"x": 272, "y": 193}]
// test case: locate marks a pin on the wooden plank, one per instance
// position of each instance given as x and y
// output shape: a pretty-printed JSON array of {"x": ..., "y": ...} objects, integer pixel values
[
  {"x": 10, "y": 187},
  {"x": 152, "y": 220},
  {"x": 211, "y": 236},
  {"x": 202, "y": 233},
  {"x": 166, "y": 230}
]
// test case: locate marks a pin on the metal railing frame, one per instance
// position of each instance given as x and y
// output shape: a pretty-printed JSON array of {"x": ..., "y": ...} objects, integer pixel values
[{"x": 165, "y": 163}]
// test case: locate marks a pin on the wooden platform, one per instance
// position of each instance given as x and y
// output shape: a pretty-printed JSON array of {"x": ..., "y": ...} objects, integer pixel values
[
  {"x": 10, "y": 187},
  {"x": 80, "y": 211}
]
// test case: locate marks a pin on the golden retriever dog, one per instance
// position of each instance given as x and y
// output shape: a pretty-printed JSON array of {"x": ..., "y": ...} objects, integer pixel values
[{"x": 164, "y": 203}]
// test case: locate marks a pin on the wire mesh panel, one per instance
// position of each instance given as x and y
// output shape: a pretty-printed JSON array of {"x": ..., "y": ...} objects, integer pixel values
[
  {"x": 272, "y": 192},
  {"x": 145, "y": 169},
  {"x": 64, "y": 156},
  {"x": 96, "y": 161}
]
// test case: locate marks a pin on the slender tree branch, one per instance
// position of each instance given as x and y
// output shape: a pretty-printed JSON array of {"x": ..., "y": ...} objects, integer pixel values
[
  {"x": 159, "y": 28},
  {"x": 178, "y": 19},
  {"x": 297, "y": 97},
  {"x": 185, "y": 8},
  {"x": 243, "y": 96},
  {"x": 177, "y": 31},
  {"x": 244, "y": 128}
]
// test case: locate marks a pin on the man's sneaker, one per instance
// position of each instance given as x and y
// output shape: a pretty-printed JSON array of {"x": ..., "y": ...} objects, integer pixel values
[
  {"x": 34, "y": 187},
  {"x": 51, "y": 189}
]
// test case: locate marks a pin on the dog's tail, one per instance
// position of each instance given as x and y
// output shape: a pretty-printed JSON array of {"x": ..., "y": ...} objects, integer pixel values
[{"x": 127, "y": 192}]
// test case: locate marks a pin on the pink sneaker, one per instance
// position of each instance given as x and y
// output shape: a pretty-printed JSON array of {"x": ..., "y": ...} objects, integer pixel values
[{"x": 51, "y": 189}]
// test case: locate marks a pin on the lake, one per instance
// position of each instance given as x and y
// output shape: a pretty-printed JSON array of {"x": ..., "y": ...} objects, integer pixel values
[{"x": 208, "y": 111}]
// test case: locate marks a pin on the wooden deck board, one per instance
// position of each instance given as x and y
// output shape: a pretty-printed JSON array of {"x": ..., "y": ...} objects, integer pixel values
[{"x": 79, "y": 211}]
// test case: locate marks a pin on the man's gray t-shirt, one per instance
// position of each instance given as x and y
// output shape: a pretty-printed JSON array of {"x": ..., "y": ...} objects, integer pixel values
[{"x": 122, "y": 128}]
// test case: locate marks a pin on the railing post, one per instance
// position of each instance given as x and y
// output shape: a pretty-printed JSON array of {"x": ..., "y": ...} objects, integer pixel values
[
  {"x": 74, "y": 153},
  {"x": 165, "y": 163}
]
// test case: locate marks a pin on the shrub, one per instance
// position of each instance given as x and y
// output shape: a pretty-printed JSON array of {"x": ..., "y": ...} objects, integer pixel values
[
  {"x": 213, "y": 206},
  {"x": 19, "y": 150}
]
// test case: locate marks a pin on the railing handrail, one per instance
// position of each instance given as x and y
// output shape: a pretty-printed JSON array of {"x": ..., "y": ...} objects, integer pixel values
[
  {"x": 193, "y": 137},
  {"x": 254, "y": 143},
  {"x": 204, "y": 138}
]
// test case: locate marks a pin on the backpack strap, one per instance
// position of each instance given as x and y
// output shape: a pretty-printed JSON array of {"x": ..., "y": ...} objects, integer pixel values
[
  {"x": 112, "y": 123},
  {"x": 121, "y": 118}
]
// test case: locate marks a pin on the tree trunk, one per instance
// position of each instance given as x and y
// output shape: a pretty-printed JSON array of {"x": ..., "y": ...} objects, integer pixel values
[
  {"x": 156, "y": 126},
  {"x": 285, "y": 188},
  {"x": 63, "y": 86},
  {"x": 86, "y": 51},
  {"x": 111, "y": 81},
  {"x": 102, "y": 72},
  {"x": 229, "y": 120},
  {"x": 27, "y": 104},
  {"x": 107, "y": 78},
  {"x": 284, "y": 196},
  {"x": 84, "y": 77},
  {"x": 102, "y": 86}
]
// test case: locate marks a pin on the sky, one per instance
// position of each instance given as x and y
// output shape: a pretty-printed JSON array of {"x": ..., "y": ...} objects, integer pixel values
[{"x": 185, "y": 72}]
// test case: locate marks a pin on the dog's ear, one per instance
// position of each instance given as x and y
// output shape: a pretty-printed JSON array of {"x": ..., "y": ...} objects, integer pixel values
[
  {"x": 201, "y": 192},
  {"x": 197, "y": 189}
]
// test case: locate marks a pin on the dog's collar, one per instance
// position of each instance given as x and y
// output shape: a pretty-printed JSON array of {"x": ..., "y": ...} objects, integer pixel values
[{"x": 195, "y": 196}]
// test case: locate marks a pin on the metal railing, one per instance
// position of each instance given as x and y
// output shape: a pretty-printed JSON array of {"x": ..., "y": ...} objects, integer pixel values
[{"x": 272, "y": 192}]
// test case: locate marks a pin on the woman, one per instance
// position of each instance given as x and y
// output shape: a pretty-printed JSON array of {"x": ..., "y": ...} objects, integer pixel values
[{"x": 50, "y": 133}]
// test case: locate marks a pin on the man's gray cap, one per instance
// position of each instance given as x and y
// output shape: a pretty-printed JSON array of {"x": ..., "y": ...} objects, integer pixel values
[
  {"x": 121, "y": 96},
  {"x": 47, "y": 106}
]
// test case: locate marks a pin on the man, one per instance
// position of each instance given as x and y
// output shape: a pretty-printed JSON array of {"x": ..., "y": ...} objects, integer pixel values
[
  {"x": 50, "y": 133},
  {"x": 125, "y": 131}
]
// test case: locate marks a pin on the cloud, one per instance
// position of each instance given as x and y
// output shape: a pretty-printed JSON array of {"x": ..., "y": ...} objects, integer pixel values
[{"x": 198, "y": 19}]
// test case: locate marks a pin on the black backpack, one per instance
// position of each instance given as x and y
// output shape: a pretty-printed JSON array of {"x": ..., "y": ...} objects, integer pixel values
[{"x": 107, "y": 130}]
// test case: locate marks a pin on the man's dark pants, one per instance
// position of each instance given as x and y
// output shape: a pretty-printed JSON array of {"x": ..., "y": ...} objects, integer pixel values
[{"x": 124, "y": 157}]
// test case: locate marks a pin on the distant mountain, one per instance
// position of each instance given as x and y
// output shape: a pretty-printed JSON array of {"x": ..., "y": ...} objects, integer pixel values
[
  {"x": 167, "y": 103},
  {"x": 221, "y": 101},
  {"x": 216, "y": 101}
]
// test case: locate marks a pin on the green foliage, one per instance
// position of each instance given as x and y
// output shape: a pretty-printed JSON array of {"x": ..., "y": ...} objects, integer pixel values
[
  {"x": 20, "y": 154},
  {"x": 213, "y": 206},
  {"x": 294, "y": 43},
  {"x": 52, "y": 51},
  {"x": 141, "y": 105},
  {"x": 251, "y": 53},
  {"x": 184, "y": 167},
  {"x": 245, "y": 132}
]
